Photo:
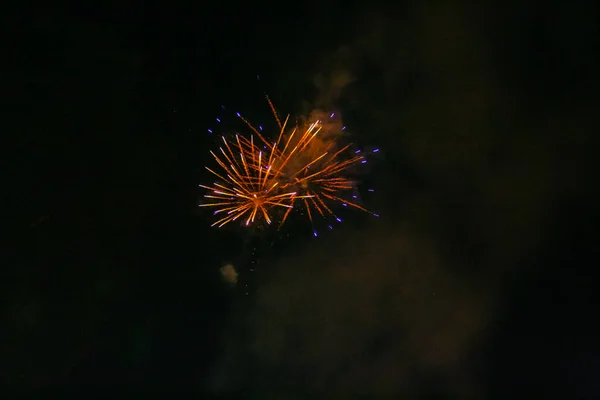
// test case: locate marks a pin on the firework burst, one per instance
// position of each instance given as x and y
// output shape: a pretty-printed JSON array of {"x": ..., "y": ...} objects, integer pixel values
[
  {"x": 246, "y": 187},
  {"x": 299, "y": 167}
]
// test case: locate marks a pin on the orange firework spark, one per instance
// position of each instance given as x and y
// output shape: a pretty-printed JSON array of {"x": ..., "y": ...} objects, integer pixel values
[
  {"x": 247, "y": 187},
  {"x": 298, "y": 167},
  {"x": 320, "y": 181}
]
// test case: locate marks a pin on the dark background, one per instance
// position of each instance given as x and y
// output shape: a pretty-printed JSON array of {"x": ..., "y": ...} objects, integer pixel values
[{"x": 486, "y": 185}]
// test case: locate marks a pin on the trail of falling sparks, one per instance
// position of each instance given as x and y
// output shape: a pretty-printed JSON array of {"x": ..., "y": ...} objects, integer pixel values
[{"x": 251, "y": 183}]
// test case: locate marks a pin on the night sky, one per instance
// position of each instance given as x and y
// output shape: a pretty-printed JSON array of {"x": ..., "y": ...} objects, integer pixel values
[{"x": 473, "y": 282}]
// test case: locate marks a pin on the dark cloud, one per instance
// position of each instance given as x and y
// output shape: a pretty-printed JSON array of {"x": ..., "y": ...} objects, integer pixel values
[{"x": 366, "y": 311}]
